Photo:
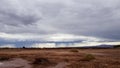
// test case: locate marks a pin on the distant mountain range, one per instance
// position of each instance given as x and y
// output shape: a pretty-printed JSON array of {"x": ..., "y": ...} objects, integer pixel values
[{"x": 99, "y": 46}]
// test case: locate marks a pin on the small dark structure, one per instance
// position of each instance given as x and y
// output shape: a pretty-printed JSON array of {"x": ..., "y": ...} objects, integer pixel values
[{"x": 23, "y": 47}]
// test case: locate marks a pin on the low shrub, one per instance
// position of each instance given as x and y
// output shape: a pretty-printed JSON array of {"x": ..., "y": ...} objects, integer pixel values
[
  {"x": 88, "y": 57},
  {"x": 41, "y": 61},
  {"x": 4, "y": 58},
  {"x": 74, "y": 50}
]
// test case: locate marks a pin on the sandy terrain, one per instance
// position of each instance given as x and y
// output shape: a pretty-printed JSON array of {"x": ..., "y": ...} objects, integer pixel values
[
  {"x": 60, "y": 58},
  {"x": 15, "y": 63}
]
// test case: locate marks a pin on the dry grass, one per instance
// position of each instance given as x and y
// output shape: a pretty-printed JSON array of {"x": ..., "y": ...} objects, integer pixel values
[
  {"x": 88, "y": 57},
  {"x": 4, "y": 58},
  {"x": 76, "y": 58},
  {"x": 41, "y": 61},
  {"x": 74, "y": 50}
]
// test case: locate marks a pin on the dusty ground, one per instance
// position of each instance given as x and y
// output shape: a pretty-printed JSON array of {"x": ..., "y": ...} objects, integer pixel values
[{"x": 60, "y": 58}]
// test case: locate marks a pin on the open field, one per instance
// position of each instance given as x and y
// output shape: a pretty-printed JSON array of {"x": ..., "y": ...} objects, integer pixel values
[{"x": 60, "y": 58}]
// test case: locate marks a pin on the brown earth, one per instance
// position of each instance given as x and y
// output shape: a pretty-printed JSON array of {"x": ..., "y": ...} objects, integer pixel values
[{"x": 60, "y": 58}]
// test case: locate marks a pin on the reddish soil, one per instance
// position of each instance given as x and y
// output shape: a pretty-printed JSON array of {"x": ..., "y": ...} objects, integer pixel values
[{"x": 60, "y": 58}]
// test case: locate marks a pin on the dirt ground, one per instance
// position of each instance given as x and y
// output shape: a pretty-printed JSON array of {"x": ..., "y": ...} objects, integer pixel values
[{"x": 60, "y": 58}]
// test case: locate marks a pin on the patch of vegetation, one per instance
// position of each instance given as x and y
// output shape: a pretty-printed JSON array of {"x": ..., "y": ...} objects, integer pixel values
[
  {"x": 74, "y": 50},
  {"x": 4, "y": 58},
  {"x": 88, "y": 57},
  {"x": 23, "y": 47},
  {"x": 66, "y": 60},
  {"x": 117, "y": 46},
  {"x": 41, "y": 61}
]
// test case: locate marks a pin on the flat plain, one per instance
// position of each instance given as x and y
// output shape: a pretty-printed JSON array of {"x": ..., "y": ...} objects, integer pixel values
[{"x": 59, "y": 58}]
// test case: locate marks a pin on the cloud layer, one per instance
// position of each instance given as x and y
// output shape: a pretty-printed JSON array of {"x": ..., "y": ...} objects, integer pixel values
[{"x": 43, "y": 19}]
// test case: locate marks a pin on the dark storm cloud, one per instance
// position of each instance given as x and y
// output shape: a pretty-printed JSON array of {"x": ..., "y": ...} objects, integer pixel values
[
  {"x": 97, "y": 18},
  {"x": 14, "y": 19}
]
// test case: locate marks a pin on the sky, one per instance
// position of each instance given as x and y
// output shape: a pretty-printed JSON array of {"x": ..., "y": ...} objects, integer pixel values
[{"x": 86, "y": 21}]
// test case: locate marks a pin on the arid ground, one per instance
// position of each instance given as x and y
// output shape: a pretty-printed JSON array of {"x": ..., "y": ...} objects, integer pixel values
[{"x": 60, "y": 58}]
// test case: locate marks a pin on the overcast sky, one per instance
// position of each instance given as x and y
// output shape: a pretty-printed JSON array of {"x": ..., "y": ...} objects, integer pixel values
[{"x": 60, "y": 19}]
